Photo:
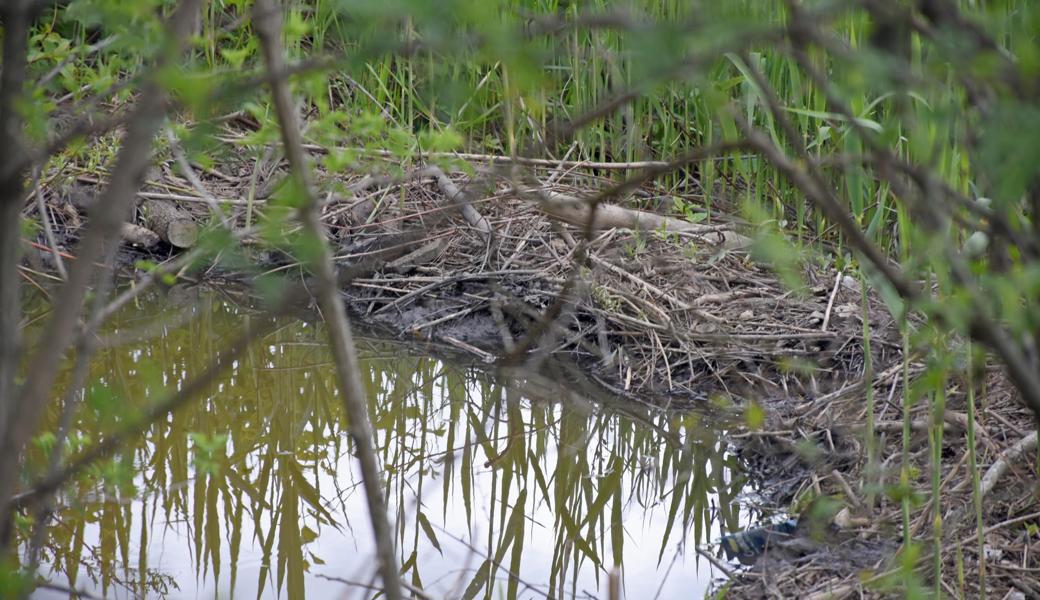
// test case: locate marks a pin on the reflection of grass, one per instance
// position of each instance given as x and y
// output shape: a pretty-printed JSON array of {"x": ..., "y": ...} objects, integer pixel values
[{"x": 511, "y": 464}]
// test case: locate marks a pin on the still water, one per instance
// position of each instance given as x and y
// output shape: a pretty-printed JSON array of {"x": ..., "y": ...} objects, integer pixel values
[{"x": 499, "y": 486}]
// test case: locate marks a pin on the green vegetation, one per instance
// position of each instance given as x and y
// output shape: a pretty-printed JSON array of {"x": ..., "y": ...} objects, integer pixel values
[{"x": 500, "y": 91}]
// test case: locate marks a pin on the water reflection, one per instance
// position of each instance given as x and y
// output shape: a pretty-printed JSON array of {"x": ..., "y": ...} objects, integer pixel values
[{"x": 501, "y": 487}]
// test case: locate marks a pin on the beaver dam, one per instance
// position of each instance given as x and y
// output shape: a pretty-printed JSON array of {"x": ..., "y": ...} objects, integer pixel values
[
  {"x": 563, "y": 397},
  {"x": 652, "y": 307}
]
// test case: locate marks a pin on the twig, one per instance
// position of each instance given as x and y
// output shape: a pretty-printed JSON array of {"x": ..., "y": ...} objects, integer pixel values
[
  {"x": 1015, "y": 521},
  {"x": 448, "y": 281},
  {"x": 833, "y": 593},
  {"x": 530, "y": 586},
  {"x": 484, "y": 356},
  {"x": 160, "y": 410},
  {"x": 419, "y": 592},
  {"x": 77, "y": 52},
  {"x": 70, "y": 592},
  {"x": 267, "y": 21},
  {"x": 64, "y": 255},
  {"x": 48, "y": 231},
  {"x": 462, "y": 201},
  {"x": 510, "y": 160},
  {"x": 131, "y": 163},
  {"x": 86, "y": 344},
  {"x": 718, "y": 564},
  {"x": 187, "y": 198},
  {"x": 454, "y": 315},
  {"x": 193, "y": 178},
  {"x": 830, "y": 301}
]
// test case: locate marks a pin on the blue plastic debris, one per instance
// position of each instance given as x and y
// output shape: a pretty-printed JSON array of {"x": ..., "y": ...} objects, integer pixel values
[{"x": 746, "y": 546}]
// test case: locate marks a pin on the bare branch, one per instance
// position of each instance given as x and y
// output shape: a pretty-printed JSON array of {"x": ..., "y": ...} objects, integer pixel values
[
  {"x": 193, "y": 178},
  {"x": 823, "y": 198},
  {"x": 806, "y": 176},
  {"x": 45, "y": 221},
  {"x": 133, "y": 160},
  {"x": 267, "y": 20},
  {"x": 12, "y": 82}
]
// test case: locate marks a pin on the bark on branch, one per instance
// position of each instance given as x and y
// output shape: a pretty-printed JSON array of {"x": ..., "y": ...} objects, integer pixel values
[
  {"x": 578, "y": 212},
  {"x": 267, "y": 21},
  {"x": 23, "y": 411},
  {"x": 12, "y": 190}
]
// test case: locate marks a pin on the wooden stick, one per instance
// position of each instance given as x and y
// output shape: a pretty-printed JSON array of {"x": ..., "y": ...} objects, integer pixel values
[
  {"x": 48, "y": 231},
  {"x": 999, "y": 468},
  {"x": 577, "y": 212},
  {"x": 464, "y": 204}
]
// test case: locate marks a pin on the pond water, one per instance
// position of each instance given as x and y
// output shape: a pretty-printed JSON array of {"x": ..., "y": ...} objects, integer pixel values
[{"x": 498, "y": 486}]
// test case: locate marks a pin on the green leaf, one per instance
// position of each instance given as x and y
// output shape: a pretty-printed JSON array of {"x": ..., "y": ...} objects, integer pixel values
[
  {"x": 475, "y": 586},
  {"x": 1007, "y": 156},
  {"x": 515, "y": 526},
  {"x": 428, "y": 530},
  {"x": 574, "y": 534},
  {"x": 829, "y": 116}
]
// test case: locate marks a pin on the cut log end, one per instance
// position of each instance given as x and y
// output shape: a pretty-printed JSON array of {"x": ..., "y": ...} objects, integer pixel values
[{"x": 182, "y": 234}]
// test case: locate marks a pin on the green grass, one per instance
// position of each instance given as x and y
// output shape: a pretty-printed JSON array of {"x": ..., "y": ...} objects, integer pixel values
[{"x": 504, "y": 93}]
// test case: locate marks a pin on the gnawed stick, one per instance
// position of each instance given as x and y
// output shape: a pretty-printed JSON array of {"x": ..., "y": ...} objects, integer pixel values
[
  {"x": 139, "y": 236},
  {"x": 1001, "y": 466},
  {"x": 457, "y": 196},
  {"x": 422, "y": 255},
  {"x": 576, "y": 212}
]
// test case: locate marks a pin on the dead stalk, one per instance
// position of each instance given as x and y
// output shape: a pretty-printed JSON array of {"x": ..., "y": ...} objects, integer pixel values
[{"x": 48, "y": 231}]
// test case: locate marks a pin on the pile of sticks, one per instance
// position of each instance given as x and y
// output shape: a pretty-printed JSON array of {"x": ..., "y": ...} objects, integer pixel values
[{"x": 517, "y": 269}]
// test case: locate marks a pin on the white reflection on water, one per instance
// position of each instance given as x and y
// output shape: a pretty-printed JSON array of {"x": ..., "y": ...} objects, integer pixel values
[{"x": 292, "y": 381}]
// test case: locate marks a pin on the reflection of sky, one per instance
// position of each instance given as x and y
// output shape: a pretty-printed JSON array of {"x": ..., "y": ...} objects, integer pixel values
[{"x": 348, "y": 553}]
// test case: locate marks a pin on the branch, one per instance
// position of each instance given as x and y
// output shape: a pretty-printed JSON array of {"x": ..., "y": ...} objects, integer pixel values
[
  {"x": 45, "y": 221},
  {"x": 1002, "y": 464},
  {"x": 809, "y": 179},
  {"x": 576, "y": 211},
  {"x": 267, "y": 21},
  {"x": 945, "y": 13},
  {"x": 824, "y": 199},
  {"x": 133, "y": 160},
  {"x": 86, "y": 344},
  {"x": 890, "y": 164},
  {"x": 12, "y": 190}
]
